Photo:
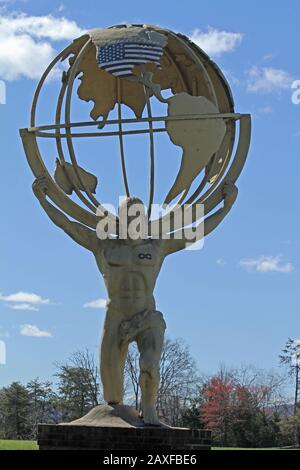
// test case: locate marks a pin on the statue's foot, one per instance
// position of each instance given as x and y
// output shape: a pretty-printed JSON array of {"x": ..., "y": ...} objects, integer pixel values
[
  {"x": 114, "y": 403},
  {"x": 149, "y": 416}
]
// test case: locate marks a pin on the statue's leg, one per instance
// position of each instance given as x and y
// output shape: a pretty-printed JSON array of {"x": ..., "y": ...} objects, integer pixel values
[
  {"x": 150, "y": 344},
  {"x": 112, "y": 361}
]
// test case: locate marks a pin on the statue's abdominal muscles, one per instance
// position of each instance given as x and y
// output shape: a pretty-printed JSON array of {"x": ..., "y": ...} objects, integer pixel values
[{"x": 130, "y": 274}]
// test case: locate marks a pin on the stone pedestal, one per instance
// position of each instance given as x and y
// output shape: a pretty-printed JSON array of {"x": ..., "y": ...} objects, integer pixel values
[{"x": 112, "y": 428}]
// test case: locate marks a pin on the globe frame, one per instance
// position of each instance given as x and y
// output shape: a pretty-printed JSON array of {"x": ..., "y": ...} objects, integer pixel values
[{"x": 210, "y": 198}]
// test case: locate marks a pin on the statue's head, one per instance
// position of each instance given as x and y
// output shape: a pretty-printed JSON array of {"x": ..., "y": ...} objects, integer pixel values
[{"x": 133, "y": 222}]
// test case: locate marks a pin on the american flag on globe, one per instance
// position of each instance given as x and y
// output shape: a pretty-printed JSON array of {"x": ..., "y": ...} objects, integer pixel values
[{"x": 119, "y": 58}]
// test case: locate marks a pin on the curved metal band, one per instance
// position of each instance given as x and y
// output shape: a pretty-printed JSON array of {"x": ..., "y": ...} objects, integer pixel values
[
  {"x": 60, "y": 147},
  {"x": 73, "y": 73},
  {"x": 216, "y": 197},
  {"x": 237, "y": 165},
  {"x": 181, "y": 77},
  {"x": 96, "y": 134},
  {"x": 184, "y": 117},
  {"x": 38, "y": 168},
  {"x": 120, "y": 134},
  {"x": 197, "y": 61},
  {"x": 64, "y": 53},
  {"x": 35, "y": 160},
  {"x": 223, "y": 169},
  {"x": 42, "y": 81},
  {"x": 190, "y": 45},
  {"x": 152, "y": 160}
]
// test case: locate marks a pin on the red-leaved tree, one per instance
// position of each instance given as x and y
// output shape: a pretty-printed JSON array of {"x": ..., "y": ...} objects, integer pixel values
[{"x": 235, "y": 412}]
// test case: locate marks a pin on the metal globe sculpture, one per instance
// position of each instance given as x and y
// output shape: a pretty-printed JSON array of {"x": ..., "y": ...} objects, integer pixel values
[
  {"x": 126, "y": 65},
  {"x": 137, "y": 69}
]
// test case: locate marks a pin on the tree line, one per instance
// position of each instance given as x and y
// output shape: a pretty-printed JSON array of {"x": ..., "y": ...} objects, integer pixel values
[{"x": 243, "y": 407}]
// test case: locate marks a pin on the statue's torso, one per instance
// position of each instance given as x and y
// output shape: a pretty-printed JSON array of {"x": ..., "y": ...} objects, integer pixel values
[{"x": 130, "y": 273}]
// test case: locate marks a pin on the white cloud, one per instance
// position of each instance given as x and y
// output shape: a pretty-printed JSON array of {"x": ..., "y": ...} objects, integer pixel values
[
  {"x": 24, "y": 301},
  {"x": 21, "y": 56},
  {"x": 99, "y": 303},
  {"x": 56, "y": 29},
  {"x": 265, "y": 110},
  {"x": 221, "y": 262},
  {"x": 23, "y": 307},
  {"x": 25, "y": 43},
  {"x": 33, "y": 330},
  {"x": 267, "y": 57},
  {"x": 268, "y": 80},
  {"x": 24, "y": 297},
  {"x": 267, "y": 264},
  {"x": 215, "y": 42}
]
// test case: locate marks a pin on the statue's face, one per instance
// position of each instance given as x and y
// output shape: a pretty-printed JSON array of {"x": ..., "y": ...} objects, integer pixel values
[{"x": 133, "y": 220}]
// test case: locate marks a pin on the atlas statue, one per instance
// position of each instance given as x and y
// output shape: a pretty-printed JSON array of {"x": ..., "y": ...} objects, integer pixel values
[{"x": 130, "y": 66}]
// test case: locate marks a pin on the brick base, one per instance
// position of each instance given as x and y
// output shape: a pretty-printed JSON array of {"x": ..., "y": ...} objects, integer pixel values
[{"x": 74, "y": 437}]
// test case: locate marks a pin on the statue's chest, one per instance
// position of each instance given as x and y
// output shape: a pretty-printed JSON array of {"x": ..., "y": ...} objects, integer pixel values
[{"x": 126, "y": 256}]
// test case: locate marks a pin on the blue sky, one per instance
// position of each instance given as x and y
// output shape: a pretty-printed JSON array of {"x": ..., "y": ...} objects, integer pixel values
[{"x": 237, "y": 300}]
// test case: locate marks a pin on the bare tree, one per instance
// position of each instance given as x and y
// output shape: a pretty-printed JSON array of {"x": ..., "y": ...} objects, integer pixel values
[
  {"x": 242, "y": 406},
  {"x": 178, "y": 380},
  {"x": 291, "y": 358},
  {"x": 266, "y": 386},
  {"x": 42, "y": 399},
  {"x": 85, "y": 361},
  {"x": 79, "y": 386},
  {"x": 132, "y": 386}
]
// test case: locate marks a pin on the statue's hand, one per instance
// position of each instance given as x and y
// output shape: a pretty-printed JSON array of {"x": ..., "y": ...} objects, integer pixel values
[
  {"x": 40, "y": 187},
  {"x": 230, "y": 192}
]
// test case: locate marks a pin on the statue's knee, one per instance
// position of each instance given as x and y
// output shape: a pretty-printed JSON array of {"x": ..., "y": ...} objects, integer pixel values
[
  {"x": 148, "y": 366},
  {"x": 107, "y": 342},
  {"x": 158, "y": 320}
]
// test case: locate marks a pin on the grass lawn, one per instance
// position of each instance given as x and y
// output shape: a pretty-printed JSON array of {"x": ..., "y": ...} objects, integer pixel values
[
  {"x": 244, "y": 448},
  {"x": 32, "y": 445},
  {"x": 18, "y": 445},
  {"x": 251, "y": 448}
]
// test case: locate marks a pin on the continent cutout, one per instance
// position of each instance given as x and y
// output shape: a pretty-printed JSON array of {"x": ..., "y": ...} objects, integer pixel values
[
  {"x": 199, "y": 139},
  {"x": 100, "y": 87},
  {"x": 67, "y": 179}
]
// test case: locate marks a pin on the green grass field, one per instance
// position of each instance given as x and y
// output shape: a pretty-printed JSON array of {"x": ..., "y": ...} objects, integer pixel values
[
  {"x": 32, "y": 445},
  {"x": 18, "y": 445},
  {"x": 245, "y": 448}
]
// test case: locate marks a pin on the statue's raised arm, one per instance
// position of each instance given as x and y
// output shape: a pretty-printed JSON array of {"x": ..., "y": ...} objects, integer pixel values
[
  {"x": 229, "y": 192},
  {"x": 78, "y": 232}
]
